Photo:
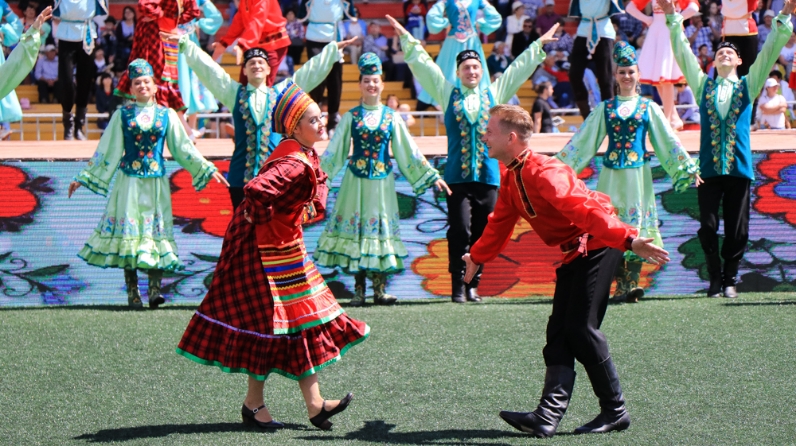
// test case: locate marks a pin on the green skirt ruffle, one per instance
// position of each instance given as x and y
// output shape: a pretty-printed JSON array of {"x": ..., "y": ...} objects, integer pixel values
[
  {"x": 633, "y": 197},
  {"x": 137, "y": 228},
  {"x": 363, "y": 231}
]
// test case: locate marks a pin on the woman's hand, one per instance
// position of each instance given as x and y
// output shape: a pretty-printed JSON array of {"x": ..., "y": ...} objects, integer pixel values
[
  {"x": 220, "y": 178},
  {"x": 549, "y": 36},
  {"x": 344, "y": 43},
  {"x": 443, "y": 186},
  {"x": 698, "y": 180},
  {"x": 45, "y": 15},
  {"x": 73, "y": 186},
  {"x": 399, "y": 30}
]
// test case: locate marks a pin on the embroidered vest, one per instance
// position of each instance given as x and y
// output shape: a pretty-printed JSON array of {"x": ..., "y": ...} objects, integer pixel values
[
  {"x": 371, "y": 157},
  {"x": 725, "y": 147},
  {"x": 252, "y": 140},
  {"x": 143, "y": 149},
  {"x": 626, "y": 137},
  {"x": 468, "y": 157}
]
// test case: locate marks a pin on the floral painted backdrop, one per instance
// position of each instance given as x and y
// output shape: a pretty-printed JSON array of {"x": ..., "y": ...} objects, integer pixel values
[{"x": 41, "y": 231}]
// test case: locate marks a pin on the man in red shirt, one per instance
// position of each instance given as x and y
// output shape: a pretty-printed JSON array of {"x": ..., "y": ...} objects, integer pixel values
[{"x": 564, "y": 212}]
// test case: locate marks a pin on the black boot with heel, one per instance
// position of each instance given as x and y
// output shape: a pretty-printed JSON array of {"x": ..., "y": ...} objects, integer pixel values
[{"x": 543, "y": 422}]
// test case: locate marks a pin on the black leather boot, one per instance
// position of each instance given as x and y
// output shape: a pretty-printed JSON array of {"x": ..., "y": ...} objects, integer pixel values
[
  {"x": 543, "y": 422},
  {"x": 133, "y": 295},
  {"x": 69, "y": 126},
  {"x": 714, "y": 271},
  {"x": 457, "y": 288},
  {"x": 155, "y": 297},
  {"x": 359, "y": 289},
  {"x": 730, "y": 277},
  {"x": 584, "y": 108},
  {"x": 613, "y": 414},
  {"x": 471, "y": 289},
  {"x": 380, "y": 296},
  {"x": 80, "y": 124}
]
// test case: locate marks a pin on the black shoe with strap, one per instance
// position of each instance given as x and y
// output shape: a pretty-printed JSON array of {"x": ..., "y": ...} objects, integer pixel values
[
  {"x": 457, "y": 288},
  {"x": 321, "y": 421},
  {"x": 471, "y": 294},
  {"x": 248, "y": 417},
  {"x": 713, "y": 262},
  {"x": 613, "y": 413},
  {"x": 543, "y": 422}
]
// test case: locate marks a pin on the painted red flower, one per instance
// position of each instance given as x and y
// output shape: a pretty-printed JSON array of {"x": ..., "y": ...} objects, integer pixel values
[
  {"x": 208, "y": 211},
  {"x": 777, "y": 196},
  {"x": 19, "y": 197}
]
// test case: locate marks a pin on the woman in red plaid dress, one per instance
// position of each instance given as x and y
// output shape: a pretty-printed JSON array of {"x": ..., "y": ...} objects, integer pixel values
[{"x": 268, "y": 309}]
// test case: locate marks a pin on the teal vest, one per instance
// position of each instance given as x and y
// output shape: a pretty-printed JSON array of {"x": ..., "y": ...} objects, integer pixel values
[
  {"x": 143, "y": 149},
  {"x": 252, "y": 139},
  {"x": 371, "y": 157},
  {"x": 626, "y": 137},
  {"x": 468, "y": 156},
  {"x": 725, "y": 147}
]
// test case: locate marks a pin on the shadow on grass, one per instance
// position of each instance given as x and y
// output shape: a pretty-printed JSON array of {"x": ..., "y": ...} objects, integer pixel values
[
  {"x": 164, "y": 430},
  {"x": 760, "y": 304},
  {"x": 378, "y": 431},
  {"x": 118, "y": 308}
]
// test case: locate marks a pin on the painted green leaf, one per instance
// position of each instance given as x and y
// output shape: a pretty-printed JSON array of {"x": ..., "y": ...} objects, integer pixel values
[{"x": 407, "y": 206}]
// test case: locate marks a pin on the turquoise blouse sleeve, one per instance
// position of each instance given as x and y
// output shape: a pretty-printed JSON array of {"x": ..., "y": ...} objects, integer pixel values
[
  {"x": 491, "y": 21},
  {"x": 435, "y": 18},
  {"x": 212, "y": 20},
  {"x": 11, "y": 29},
  {"x": 185, "y": 153}
]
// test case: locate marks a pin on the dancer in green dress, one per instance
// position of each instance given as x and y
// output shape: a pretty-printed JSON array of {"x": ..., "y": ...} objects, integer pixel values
[
  {"x": 626, "y": 176},
  {"x": 19, "y": 63},
  {"x": 136, "y": 231},
  {"x": 362, "y": 235}
]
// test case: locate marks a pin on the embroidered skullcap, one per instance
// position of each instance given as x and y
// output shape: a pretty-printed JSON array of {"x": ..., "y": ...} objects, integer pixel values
[
  {"x": 624, "y": 54},
  {"x": 290, "y": 106},
  {"x": 139, "y": 68},
  {"x": 254, "y": 52},
  {"x": 730, "y": 45},
  {"x": 369, "y": 63},
  {"x": 465, "y": 55}
]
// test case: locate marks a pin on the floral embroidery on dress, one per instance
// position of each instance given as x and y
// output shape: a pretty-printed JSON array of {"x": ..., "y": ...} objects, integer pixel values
[
  {"x": 626, "y": 136},
  {"x": 143, "y": 148},
  {"x": 386, "y": 226},
  {"x": 723, "y": 149},
  {"x": 371, "y": 157},
  {"x": 256, "y": 149},
  {"x": 466, "y": 132}
]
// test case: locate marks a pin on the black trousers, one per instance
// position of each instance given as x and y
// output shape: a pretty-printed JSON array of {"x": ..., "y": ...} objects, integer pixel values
[
  {"x": 333, "y": 84},
  {"x": 733, "y": 193},
  {"x": 45, "y": 90},
  {"x": 71, "y": 56},
  {"x": 747, "y": 45},
  {"x": 579, "y": 304},
  {"x": 469, "y": 205},
  {"x": 602, "y": 68},
  {"x": 237, "y": 196}
]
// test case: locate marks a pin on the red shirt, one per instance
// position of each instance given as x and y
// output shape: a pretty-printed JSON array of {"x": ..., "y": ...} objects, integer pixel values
[
  {"x": 560, "y": 208},
  {"x": 258, "y": 24},
  {"x": 168, "y": 13}
]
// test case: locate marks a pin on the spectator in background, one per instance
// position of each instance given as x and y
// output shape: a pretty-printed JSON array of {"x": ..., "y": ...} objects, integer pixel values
[
  {"x": 30, "y": 12},
  {"x": 699, "y": 34},
  {"x": 630, "y": 26},
  {"x": 415, "y": 13},
  {"x": 104, "y": 98},
  {"x": 107, "y": 38},
  {"x": 395, "y": 104},
  {"x": 764, "y": 29},
  {"x": 715, "y": 23},
  {"x": 786, "y": 54},
  {"x": 295, "y": 30},
  {"x": 704, "y": 58},
  {"x": 532, "y": 8},
  {"x": 771, "y": 107},
  {"x": 547, "y": 18},
  {"x": 349, "y": 29},
  {"x": 620, "y": 35},
  {"x": 497, "y": 62},
  {"x": 376, "y": 43},
  {"x": 685, "y": 96},
  {"x": 564, "y": 43},
  {"x": 46, "y": 75},
  {"x": 125, "y": 30},
  {"x": 784, "y": 89},
  {"x": 515, "y": 22},
  {"x": 540, "y": 112},
  {"x": 773, "y": 5},
  {"x": 523, "y": 40}
]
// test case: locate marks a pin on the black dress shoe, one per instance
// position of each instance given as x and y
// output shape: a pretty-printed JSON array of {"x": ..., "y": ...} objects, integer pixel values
[
  {"x": 248, "y": 417},
  {"x": 529, "y": 423},
  {"x": 605, "y": 422},
  {"x": 634, "y": 295},
  {"x": 471, "y": 294},
  {"x": 321, "y": 421}
]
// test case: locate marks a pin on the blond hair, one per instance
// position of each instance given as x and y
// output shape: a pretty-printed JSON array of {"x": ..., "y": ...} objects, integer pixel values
[{"x": 513, "y": 118}]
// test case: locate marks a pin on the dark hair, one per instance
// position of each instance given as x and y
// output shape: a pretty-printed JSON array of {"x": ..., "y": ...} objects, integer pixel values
[
  {"x": 776, "y": 73},
  {"x": 702, "y": 46},
  {"x": 130, "y": 8},
  {"x": 111, "y": 19},
  {"x": 541, "y": 87},
  {"x": 527, "y": 21}
]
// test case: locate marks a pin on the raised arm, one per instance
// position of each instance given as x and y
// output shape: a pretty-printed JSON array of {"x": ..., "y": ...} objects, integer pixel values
[
  {"x": 212, "y": 20},
  {"x": 208, "y": 71},
  {"x": 435, "y": 18},
  {"x": 412, "y": 164},
  {"x": 670, "y": 152},
  {"x": 335, "y": 157},
  {"x": 522, "y": 68},
  {"x": 584, "y": 144},
  {"x": 22, "y": 59},
  {"x": 12, "y": 28},
  {"x": 685, "y": 58},
  {"x": 498, "y": 230},
  {"x": 185, "y": 153},
  {"x": 491, "y": 20},
  {"x": 102, "y": 166},
  {"x": 312, "y": 73},
  {"x": 781, "y": 29},
  {"x": 423, "y": 67}
]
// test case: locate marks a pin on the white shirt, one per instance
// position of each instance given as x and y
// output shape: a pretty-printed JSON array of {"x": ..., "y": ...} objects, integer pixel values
[{"x": 776, "y": 121}]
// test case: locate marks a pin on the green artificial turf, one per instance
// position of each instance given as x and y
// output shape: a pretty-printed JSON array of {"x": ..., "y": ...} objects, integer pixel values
[{"x": 694, "y": 371}]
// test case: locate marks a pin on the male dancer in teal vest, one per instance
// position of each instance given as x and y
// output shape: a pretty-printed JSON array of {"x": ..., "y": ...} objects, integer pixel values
[
  {"x": 252, "y": 104},
  {"x": 725, "y": 152},
  {"x": 472, "y": 175}
]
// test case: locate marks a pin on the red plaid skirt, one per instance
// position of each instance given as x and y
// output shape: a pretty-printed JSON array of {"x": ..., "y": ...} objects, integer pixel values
[
  {"x": 234, "y": 327},
  {"x": 148, "y": 45}
]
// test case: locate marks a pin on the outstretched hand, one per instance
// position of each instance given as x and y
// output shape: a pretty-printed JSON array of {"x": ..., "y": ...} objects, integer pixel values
[
  {"x": 220, "y": 178},
  {"x": 644, "y": 248},
  {"x": 345, "y": 43},
  {"x": 73, "y": 186},
  {"x": 471, "y": 268},
  {"x": 218, "y": 50},
  {"x": 399, "y": 29},
  {"x": 443, "y": 186},
  {"x": 548, "y": 36},
  {"x": 788, "y": 7},
  {"x": 698, "y": 180},
  {"x": 667, "y": 6},
  {"x": 45, "y": 15}
]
